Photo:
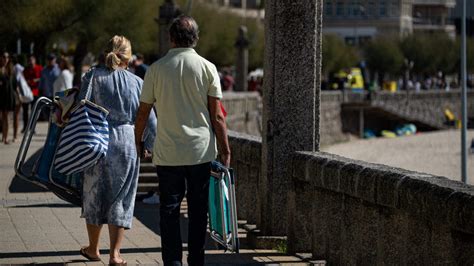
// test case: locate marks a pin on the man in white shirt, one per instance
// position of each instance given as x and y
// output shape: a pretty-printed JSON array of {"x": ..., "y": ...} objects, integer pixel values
[{"x": 185, "y": 90}]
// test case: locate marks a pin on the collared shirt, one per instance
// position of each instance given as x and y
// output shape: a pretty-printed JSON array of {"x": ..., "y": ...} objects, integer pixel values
[
  {"x": 179, "y": 84},
  {"x": 48, "y": 76}
]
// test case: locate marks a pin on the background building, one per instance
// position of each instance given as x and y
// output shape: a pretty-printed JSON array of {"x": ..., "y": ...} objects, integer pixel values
[
  {"x": 433, "y": 16},
  {"x": 456, "y": 17},
  {"x": 360, "y": 20}
]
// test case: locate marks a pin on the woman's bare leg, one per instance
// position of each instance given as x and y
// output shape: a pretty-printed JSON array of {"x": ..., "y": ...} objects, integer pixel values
[
  {"x": 16, "y": 121},
  {"x": 94, "y": 234},
  {"x": 5, "y": 127},
  {"x": 116, "y": 236}
]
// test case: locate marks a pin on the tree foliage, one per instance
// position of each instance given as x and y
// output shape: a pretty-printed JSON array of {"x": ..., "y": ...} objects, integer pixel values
[
  {"x": 337, "y": 54},
  {"x": 87, "y": 25},
  {"x": 431, "y": 53},
  {"x": 470, "y": 55},
  {"x": 383, "y": 55},
  {"x": 73, "y": 21},
  {"x": 218, "y": 33}
]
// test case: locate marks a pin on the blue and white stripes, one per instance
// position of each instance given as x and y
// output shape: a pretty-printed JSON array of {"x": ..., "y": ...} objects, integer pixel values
[{"x": 84, "y": 140}]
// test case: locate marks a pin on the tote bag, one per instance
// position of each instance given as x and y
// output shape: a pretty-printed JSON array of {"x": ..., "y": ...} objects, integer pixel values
[
  {"x": 85, "y": 138},
  {"x": 25, "y": 93}
]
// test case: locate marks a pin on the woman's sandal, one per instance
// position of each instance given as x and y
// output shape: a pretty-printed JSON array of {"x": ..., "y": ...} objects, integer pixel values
[
  {"x": 122, "y": 263},
  {"x": 84, "y": 254}
]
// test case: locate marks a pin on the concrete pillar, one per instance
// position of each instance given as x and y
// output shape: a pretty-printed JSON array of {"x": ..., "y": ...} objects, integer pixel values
[
  {"x": 291, "y": 99},
  {"x": 242, "y": 62},
  {"x": 168, "y": 11}
]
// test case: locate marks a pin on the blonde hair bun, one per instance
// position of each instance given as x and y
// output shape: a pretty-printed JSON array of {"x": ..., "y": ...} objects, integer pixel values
[{"x": 119, "y": 52}]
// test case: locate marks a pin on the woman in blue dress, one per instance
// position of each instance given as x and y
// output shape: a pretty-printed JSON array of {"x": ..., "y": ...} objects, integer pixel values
[{"x": 110, "y": 186}]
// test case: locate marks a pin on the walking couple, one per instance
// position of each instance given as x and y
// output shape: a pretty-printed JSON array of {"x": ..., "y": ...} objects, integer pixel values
[{"x": 184, "y": 89}]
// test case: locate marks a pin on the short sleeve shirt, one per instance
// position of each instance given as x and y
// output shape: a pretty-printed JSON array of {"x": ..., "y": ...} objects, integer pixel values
[{"x": 178, "y": 85}]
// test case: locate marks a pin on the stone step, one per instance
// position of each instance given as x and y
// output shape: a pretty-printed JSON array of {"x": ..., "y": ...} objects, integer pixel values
[
  {"x": 145, "y": 187},
  {"x": 147, "y": 167},
  {"x": 147, "y": 178}
]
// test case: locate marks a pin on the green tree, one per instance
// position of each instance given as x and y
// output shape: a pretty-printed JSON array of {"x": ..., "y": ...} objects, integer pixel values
[
  {"x": 87, "y": 24},
  {"x": 218, "y": 32},
  {"x": 384, "y": 56},
  {"x": 470, "y": 55},
  {"x": 337, "y": 54},
  {"x": 431, "y": 52}
]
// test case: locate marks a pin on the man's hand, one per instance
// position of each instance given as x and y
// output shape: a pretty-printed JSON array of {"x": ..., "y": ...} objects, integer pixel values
[
  {"x": 140, "y": 124},
  {"x": 225, "y": 159}
]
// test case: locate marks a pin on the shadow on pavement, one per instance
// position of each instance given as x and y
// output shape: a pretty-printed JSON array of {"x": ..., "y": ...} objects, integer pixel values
[
  {"x": 44, "y": 205},
  {"x": 149, "y": 216},
  {"x": 18, "y": 185},
  {"x": 73, "y": 252}
]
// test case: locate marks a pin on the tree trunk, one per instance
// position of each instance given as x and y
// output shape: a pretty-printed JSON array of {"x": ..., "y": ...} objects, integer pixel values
[{"x": 79, "y": 55}]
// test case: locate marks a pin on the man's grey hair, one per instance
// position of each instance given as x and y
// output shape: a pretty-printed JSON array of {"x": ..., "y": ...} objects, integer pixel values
[{"x": 184, "y": 31}]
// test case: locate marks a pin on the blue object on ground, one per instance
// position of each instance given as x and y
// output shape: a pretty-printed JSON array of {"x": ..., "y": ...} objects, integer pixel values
[{"x": 369, "y": 133}]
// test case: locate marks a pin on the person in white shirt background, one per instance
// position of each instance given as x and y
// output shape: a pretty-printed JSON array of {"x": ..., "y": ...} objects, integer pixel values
[{"x": 64, "y": 80}]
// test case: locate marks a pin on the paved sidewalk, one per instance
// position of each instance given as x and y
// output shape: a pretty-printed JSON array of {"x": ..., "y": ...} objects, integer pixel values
[{"x": 39, "y": 228}]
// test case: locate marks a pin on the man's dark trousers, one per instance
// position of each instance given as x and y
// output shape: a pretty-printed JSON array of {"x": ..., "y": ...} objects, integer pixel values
[{"x": 174, "y": 181}]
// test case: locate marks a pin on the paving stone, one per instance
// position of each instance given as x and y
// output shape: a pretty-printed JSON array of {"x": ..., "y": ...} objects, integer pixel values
[
  {"x": 15, "y": 261},
  {"x": 283, "y": 258},
  {"x": 95, "y": 263},
  {"x": 73, "y": 258},
  {"x": 48, "y": 260}
]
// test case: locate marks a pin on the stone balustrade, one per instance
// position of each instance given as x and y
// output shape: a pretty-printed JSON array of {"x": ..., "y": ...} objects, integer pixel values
[
  {"x": 352, "y": 212},
  {"x": 246, "y": 161},
  {"x": 244, "y": 110}
]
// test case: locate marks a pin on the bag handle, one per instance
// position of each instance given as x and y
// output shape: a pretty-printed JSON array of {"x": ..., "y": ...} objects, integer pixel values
[{"x": 89, "y": 87}]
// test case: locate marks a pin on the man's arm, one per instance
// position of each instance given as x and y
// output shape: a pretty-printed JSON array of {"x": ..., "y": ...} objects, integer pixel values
[
  {"x": 220, "y": 129},
  {"x": 140, "y": 124}
]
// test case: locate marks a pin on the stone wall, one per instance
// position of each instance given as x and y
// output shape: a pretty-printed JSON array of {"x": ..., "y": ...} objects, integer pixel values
[
  {"x": 356, "y": 213},
  {"x": 331, "y": 129},
  {"x": 425, "y": 106},
  {"x": 244, "y": 115},
  {"x": 351, "y": 212},
  {"x": 243, "y": 112},
  {"x": 246, "y": 161}
]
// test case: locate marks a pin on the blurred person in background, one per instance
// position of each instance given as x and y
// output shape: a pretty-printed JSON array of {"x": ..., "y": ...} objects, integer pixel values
[
  {"x": 18, "y": 72},
  {"x": 32, "y": 75},
  {"x": 65, "y": 78},
  {"x": 48, "y": 76},
  {"x": 8, "y": 96},
  {"x": 140, "y": 66}
]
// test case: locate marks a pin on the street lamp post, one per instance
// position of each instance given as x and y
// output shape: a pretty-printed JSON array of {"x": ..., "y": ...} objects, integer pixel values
[
  {"x": 464, "y": 96},
  {"x": 406, "y": 77},
  {"x": 167, "y": 12}
]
